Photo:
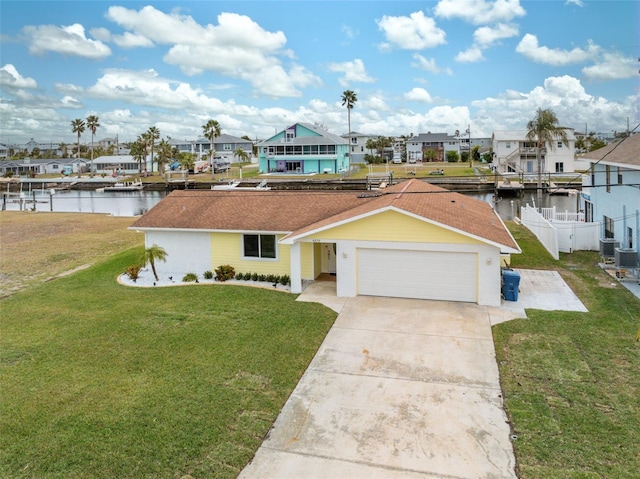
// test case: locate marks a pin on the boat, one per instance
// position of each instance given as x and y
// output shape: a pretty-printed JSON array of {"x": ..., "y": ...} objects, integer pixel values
[
  {"x": 235, "y": 185},
  {"x": 124, "y": 186}
]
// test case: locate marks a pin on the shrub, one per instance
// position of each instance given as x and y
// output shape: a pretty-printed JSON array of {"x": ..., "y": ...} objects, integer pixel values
[
  {"x": 285, "y": 280},
  {"x": 239, "y": 276},
  {"x": 247, "y": 276},
  {"x": 272, "y": 278},
  {"x": 262, "y": 277},
  {"x": 254, "y": 277},
  {"x": 208, "y": 275},
  {"x": 225, "y": 272},
  {"x": 190, "y": 278},
  {"x": 133, "y": 271}
]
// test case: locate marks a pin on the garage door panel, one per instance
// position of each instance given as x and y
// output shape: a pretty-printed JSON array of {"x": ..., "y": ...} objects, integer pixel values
[{"x": 417, "y": 274}]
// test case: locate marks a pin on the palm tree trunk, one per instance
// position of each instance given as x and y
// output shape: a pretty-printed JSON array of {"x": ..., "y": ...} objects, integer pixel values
[{"x": 539, "y": 183}]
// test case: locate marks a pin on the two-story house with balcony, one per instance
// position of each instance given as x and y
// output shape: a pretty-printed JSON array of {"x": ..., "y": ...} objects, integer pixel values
[
  {"x": 303, "y": 148},
  {"x": 431, "y": 146},
  {"x": 513, "y": 153},
  {"x": 611, "y": 193},
  {"x": 358, "y": 146},
  {"x": 224, "y": 147}
]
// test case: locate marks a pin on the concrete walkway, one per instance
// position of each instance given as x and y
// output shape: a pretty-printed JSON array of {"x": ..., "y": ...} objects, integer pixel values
[{"x": 400, "y": 388}]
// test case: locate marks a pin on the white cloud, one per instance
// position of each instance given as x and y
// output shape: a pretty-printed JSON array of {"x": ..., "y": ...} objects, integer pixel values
[
  {"x": 479, "y": 12},
  {"x": 530, "y": 48},
  {"x": 418, "y": 94},
  {"x": 429, "y": 64},
  {"x": 613, "y": 66},
  {"x": 578, "y": 3},
  {"x": 148, "y": 88},
  {"x": 237, "y": 47},
  {"x": 415, "y": 32},
  {"x": 66, "y": 40},
  {"x": 10, "y": 78},
  {"x": 487, "y": 36},
  {"x": 471, "y": 55},
  {"x": 566, "y": 96},
  {"x": 349, "y": 32},
  {"x": 354, "y": 71}
]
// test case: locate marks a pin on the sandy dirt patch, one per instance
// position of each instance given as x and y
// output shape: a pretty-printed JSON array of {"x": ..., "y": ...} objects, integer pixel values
[{"x": 36, "y": 246}]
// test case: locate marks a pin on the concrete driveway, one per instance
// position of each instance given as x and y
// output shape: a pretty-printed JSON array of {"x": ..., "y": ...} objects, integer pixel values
[{"x": 399, "y": 388}]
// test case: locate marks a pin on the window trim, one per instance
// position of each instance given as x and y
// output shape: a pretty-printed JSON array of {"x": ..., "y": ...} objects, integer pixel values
[{"x": 259, "y": 257}]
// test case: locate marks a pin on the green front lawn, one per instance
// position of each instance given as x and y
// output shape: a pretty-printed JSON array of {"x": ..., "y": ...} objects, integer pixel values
[
  {"x": 101, "y": 380},
  {"x": 571, "y": 381}
]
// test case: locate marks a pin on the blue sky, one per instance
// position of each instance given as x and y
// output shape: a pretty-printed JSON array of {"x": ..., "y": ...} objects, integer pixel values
[{"x": 259, "y": 66}]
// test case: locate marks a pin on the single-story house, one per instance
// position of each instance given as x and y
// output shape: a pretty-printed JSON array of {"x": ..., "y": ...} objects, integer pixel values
[
  {"x": 410, "y": 240},
  {"x": 303, "y": 149}
]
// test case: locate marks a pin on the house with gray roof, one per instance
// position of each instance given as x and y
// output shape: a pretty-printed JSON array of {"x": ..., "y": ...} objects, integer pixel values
[
  {"x": 303, "y": 148},
  {"x": 431, "y": 146},
  {"x": 224, "y": 147}
]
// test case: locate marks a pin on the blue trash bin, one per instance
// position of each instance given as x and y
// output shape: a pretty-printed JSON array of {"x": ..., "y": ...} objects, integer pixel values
[{"x": 510, "y": 284}]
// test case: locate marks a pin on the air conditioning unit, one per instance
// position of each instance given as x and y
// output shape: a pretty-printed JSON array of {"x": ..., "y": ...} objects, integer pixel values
[
  {"x": 608, "y": 247},
  {"x": 626, "y": 258}
]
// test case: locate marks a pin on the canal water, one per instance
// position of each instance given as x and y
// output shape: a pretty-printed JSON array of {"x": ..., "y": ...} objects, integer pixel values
[{"x": 135, "y": 203}]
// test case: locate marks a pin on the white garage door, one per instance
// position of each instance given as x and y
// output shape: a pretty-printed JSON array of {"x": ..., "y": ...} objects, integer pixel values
[{"x": 417, "y": 274}]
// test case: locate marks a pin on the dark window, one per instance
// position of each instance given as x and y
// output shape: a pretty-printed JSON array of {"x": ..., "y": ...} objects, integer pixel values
[
  {"x": 619, "y": 175},
  {"x": 559, "y": 167},
  {"x": 588, "y": 211},
  {"x": 608, "y": 178},
  {"x": 608, "y": 227},
  {"x": 260, "y": 246}
]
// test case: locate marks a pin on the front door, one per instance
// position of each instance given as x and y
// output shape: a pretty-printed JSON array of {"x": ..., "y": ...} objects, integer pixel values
[{"x": 330, "y": 258}]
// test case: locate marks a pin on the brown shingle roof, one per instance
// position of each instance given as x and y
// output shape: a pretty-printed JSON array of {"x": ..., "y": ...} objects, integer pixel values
[
  {"x": 441, "y": 206},
  {"x": 300, "y": 212}
]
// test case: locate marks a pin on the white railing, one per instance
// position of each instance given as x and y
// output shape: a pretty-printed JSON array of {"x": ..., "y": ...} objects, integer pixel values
[{"x": 551, "y": 214}]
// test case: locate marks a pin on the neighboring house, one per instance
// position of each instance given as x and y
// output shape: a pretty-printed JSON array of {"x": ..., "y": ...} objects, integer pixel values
[
  {"x": 44, "y": 148},
  {"x": 116, "y": 165},
  {"x": 438, "y": 144},
  {"x": 4, "y": 152},
  {"x": 358, "y": 146},
  {"x": 411, "y": 240},
  {"x": 29, "y": 166},
  {"x": 513, "y": 153},
  {"x": 303, "y": 148},
  {"x": 224, "y": 147},
  {"x": 611, "y": 193}
]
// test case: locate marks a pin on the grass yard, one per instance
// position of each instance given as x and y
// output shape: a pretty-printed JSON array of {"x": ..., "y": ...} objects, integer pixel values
[
  {"x": 571, "y": 380},
  {"x": 102, "y": 380},
  {"x": 38, "y": 246}
]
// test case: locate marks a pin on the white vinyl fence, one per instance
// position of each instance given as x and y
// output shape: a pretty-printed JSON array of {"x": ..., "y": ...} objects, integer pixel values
[{"x": 561, "y": 231}]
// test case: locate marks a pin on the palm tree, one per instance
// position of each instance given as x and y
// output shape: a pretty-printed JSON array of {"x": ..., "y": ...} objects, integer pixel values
[
  {"x": 349, "y": 99},
  {"x": 152, "y": 135},
  {"x": 78, "y": 126},
  {"x": 138, "y": 151},
  {"x": 211, "y": 130},
  {"x": 242, "y": 155},
  {"x": 151, "y": 255},
  {"x": 93, "y": 122},
  {"x": 164, "y": 155},
  {"x": 543, "y": 130}
]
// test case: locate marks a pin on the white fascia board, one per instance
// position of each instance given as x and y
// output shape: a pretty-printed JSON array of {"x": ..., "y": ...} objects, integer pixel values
[{"x": 204, "y": 230}]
